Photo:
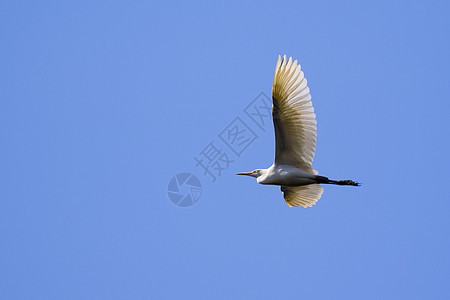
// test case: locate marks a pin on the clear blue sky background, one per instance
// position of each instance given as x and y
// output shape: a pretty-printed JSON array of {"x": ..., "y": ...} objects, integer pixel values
[{"x": 103, "y": 102}]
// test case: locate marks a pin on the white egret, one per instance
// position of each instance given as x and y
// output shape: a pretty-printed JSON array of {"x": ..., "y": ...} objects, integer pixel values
[{"x": 295, "y": 139}]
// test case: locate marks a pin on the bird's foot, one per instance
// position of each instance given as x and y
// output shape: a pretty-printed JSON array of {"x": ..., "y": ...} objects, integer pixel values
[{"x": 350, "y": 182}]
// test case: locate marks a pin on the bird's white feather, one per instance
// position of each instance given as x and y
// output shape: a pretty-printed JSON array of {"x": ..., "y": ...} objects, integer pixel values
[
  {"x": 293, "y": 117},
  {"x": 305, "y": 195}
]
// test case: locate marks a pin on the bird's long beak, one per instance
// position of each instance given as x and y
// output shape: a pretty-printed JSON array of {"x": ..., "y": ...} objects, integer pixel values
[{"x": 244, "y": 173}]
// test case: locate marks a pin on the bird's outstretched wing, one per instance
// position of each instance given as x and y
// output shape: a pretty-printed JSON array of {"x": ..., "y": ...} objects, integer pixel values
[
  {"x": 305, "y": 195},
  {"x": 293, "y": 117}
]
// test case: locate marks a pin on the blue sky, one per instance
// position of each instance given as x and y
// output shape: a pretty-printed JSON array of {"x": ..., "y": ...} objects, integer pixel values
[{"x": 102, "y": 103}]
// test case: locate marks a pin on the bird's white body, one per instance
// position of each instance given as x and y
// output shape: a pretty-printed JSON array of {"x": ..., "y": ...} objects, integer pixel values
[{"x": 285, "y": 175}]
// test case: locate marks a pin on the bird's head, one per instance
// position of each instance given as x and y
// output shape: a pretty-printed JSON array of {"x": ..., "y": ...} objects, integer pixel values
[{"x": 255, "y": 173}]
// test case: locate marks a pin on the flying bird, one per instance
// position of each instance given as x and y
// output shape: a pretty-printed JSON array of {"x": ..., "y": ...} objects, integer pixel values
[{"x": 295, "y": 139}]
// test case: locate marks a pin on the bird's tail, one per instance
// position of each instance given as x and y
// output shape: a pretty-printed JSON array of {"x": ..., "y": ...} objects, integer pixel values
[{"x": 325, "y": 180}]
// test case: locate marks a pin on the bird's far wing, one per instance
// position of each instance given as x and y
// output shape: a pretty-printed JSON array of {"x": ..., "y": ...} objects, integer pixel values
[
  {"x": 305, "y": 195},
  {"x": 293, "y": 117}
]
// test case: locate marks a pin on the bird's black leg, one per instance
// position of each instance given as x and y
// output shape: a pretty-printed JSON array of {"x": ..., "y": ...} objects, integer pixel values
[
  {"x": 344, "y": 182},
  {"x": 325, "y": 180}
]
